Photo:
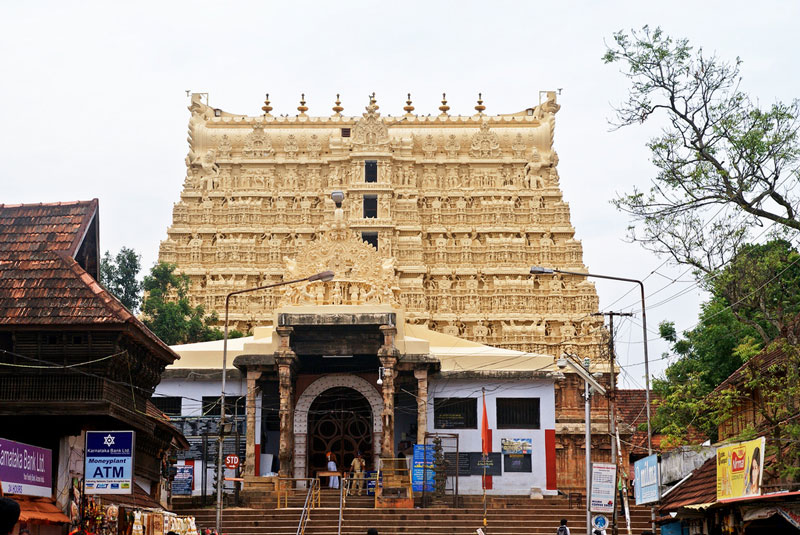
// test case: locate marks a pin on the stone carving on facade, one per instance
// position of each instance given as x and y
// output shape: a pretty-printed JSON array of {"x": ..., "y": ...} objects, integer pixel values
[
  {"x": 314, "y": 147},
  {"x": 519, "y": 146},
  {"x": 429, "y": 147},
  {"x": 291, "y": 147},
  {"x": 485, "y": 143},
  {"x": 452, "y": 146},
  {"x": 258, "y": 144},
  {"x": 225, "y": 147},
  {"x": 370, "y": 132}
]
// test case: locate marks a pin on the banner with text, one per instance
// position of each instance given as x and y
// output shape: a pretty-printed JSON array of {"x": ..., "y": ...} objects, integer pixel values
[
  {"x": 604, "y": 479},
  {"x": 739, "y": 469},
  {"x": 646, "y": 480},
  {"x": 25, "y": 469},
  {"x": 108, "y": 466}
]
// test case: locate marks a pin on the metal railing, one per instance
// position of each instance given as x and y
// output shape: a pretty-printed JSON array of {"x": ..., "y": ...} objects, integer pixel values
[
  {"x": 286, "y": 487},
  {"x": 312, "y": 496},
  {"x": 344, "y": 490}
]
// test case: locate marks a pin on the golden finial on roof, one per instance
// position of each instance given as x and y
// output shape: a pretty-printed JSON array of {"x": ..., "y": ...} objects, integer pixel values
[
  {"x": 480, "y": 107},
  {"x": 408, "y": 107},
  {"x": 302, "y": 108},
  {"x": 266, "y": 108},
  {"x": 373, "y": 101},
  {"x": 337, "y": 109},
  {"x": 444, "y": 107}
]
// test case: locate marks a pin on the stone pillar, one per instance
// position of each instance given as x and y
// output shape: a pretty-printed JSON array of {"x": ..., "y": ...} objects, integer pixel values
[
  {"x": 253, "y": 392},
  {"x": 422, "y": 403},
  {"x": 286, "y": 360},
  {"x": 388, "y": 357}
]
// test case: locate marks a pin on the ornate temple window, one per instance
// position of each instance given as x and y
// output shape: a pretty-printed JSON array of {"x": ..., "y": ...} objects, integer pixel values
[
  {"x": 370, "y": 170},
  {"x": 370, "y": 206},
  {"x": 371, "y": 238},
  {"x": 518, "y": 413},
  {"x": 455, "y": 413}
]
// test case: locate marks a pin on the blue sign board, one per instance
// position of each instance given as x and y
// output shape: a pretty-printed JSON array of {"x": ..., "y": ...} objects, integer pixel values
[
  {"x": 422, "y": 468},
  {"x": 182, "y": 484},
  {"x": 108, "y": 462},
  {"x": 646, "y": 480}
]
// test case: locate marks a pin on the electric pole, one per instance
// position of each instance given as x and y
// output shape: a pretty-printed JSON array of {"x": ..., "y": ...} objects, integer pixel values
[{"x": 612, "y": 394}]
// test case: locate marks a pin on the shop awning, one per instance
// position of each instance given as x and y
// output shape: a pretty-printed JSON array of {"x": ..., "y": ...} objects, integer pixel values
[{"x": 39, "y": 510}]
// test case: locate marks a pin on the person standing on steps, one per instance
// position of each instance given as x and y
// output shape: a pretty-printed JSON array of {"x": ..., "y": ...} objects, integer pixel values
[
  {"x": 357, "y": 472},
  {"x": 9, "y": 515},
  {"x": 563, "y": 529},
  {"x": 333, "y": 482}
]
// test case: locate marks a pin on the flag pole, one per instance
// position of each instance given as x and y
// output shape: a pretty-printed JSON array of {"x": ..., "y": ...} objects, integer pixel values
[{"x": 485, "y": 448}]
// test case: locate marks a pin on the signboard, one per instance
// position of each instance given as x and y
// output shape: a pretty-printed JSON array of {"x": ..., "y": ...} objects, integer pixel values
[
  {"x": 457, "y": 466},
  {"x": 182, "y": 484},
  {"x": 493, "y": 463},
  {"x": 517, "y": 462},
  {"x": 600, "y": 522},
  {"x": 25, "y": 469},
  {"x": 231, "y": 462},
  {"x": 516, "y": 445},
  {"x": 108, "y": 462},
  {"x": 604, "y": 479},
  {"x": 646, "y": 479},
  {"x": 422, "y": 468},
  {"x": 739, "y": 469}
]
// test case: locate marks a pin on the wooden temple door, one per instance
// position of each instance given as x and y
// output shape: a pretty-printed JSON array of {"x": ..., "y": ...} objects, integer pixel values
[{"x": 340, "y": 422}]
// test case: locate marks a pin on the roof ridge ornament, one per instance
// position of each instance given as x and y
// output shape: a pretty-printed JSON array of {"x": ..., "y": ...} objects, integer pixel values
[
  {"x": 266, "y": 108},
  {"x": 408, "y": 107},
  {"x": 444, "y": 107},
  {"x": 338, "y": 109},
  {"x": 480, "y": 107},
  {"x": 302, "y": 108}
]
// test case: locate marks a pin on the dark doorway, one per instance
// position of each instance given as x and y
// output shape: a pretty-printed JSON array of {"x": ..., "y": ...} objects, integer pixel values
[{"x": 340, "y": 422}]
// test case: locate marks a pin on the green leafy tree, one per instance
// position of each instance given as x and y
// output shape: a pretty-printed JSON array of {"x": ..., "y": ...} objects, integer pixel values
[
  {"x": 724, "y": 163},
  {"x": 754, "y": 301},
  {"x": 168, "y": 313},
  {"x": 771, "y": 388},
  {"x": 119, "y": 276}
]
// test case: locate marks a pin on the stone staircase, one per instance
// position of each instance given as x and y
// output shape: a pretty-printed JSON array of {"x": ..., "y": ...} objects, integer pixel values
[{"x": 506, "y": 516}]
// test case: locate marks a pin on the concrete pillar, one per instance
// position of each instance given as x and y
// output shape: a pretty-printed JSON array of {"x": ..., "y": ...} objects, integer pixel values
[
  {"x": 253, "y": 391},
  {"x": 422, "y": 403},
  {"x": 388, "y": 357},
  {"x": 286, "y": 360}
]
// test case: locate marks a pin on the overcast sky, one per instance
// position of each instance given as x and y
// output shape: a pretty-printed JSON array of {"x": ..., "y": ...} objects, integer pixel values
[{"x": 94, "y": 100}]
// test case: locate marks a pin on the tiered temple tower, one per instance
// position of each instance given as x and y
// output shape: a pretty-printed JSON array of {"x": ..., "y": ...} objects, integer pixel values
[{"x": 465, "y": 204}]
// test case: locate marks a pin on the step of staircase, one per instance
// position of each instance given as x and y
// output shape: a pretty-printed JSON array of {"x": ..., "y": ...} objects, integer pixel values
[{"x": 518, "y": 517}]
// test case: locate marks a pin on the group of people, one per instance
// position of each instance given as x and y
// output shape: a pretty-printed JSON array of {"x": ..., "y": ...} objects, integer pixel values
[{"x": 357, "y": 467}]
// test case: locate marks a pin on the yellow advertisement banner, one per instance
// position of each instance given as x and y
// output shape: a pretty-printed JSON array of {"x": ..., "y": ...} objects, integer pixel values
[{"x": 739, "y": 469}]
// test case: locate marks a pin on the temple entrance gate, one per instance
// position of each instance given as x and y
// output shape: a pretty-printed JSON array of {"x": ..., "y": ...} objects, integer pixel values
[
  {"x": 340, "y": 422},
  {"x": 355, "y": 388}
]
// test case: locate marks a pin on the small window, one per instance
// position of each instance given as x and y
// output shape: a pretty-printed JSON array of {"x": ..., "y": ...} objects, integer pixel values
[
  {"x": 455, "y": 413},
  {"x": 371, "y": 238},
  {"x": 169, "y": 405},
  {"x": 211, "y": 406},
  {"x": 518, "y": 413},
  {"x": 345, "y": 132},
  {"x": 370, "y": 206},
  {"x": 370, "y": 171}
]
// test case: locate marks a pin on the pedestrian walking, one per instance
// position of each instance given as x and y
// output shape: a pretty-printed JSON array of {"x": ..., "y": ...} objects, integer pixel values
[
  {"x": 333, "y": 481},
  {"x": 563, "y": 529}
]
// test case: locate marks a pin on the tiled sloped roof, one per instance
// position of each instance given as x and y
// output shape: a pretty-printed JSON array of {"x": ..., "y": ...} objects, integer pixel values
[
  {"x": 44, "y": 227},
  {"x": 40, "y": 281},
  {"x": 630, "y": 406},
  {"x": 762, "y": 362},
  {"x": 700, "y": 488},
  {"x": 51, "y": 288}
]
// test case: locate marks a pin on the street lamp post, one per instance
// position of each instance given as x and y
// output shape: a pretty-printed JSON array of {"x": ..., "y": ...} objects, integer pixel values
[
  {"x": 323, "y": 276},
  {"x": 538, "y": 270}
]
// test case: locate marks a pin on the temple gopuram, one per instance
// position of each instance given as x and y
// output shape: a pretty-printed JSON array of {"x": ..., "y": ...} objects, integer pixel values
[
  {"x": 431, "y": 224},
  {"x": 465, "y": 204}
]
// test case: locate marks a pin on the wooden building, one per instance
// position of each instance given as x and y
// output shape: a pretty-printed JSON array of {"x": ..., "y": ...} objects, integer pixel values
[{"x": 72, "y": 357}]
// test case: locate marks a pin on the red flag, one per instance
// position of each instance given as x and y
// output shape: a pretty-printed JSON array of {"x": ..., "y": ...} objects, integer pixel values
[{"x": 485, "y": 437}]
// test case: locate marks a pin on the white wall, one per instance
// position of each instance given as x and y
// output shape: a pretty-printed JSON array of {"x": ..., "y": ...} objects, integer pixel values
[
  {"x": 192, "y": 390},
  {"x": 470, "y": 439}
]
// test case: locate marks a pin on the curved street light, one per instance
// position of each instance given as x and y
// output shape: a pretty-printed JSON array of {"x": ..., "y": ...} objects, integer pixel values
[
  {"x": 323, "y": 276},
  {"x": 538, "y": 270}
]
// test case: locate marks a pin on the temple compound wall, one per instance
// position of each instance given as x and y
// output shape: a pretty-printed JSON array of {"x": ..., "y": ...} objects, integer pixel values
[{"x": 465, "y": 204}]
